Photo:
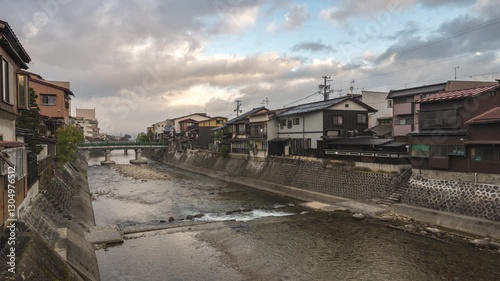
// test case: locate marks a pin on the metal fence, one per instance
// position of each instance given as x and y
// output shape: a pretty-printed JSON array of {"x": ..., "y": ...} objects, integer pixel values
[{"x": 45, "y": 163}]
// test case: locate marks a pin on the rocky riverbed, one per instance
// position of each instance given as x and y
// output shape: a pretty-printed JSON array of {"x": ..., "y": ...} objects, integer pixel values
[
  {"x": 142, "y": 172},
  {"x": 248, "y": 234}
]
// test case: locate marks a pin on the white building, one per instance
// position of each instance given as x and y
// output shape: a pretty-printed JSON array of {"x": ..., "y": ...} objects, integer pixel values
[
  {"x": 379, "y": 101},
  {"x": 85, "y": 118}
]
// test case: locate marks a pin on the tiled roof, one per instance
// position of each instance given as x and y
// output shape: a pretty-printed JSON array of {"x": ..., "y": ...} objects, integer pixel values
[
  {"x": 490, "y": 116},
  {"x": 458, "y": 94}
]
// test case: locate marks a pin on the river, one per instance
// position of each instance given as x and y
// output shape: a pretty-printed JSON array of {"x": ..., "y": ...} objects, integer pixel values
[{"x": 248, "y": 234}]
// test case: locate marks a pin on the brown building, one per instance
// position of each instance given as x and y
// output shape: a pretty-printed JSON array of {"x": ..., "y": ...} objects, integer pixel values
[
  {"x": 53, "y": 97},
  {"x": 459, "y": 131},
  {"x": 13, "y": 97},
  {"x": 406, "y": 106}
]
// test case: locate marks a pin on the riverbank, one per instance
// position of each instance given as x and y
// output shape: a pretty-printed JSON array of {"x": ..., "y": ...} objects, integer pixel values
[{"x": 52, "y": 230}]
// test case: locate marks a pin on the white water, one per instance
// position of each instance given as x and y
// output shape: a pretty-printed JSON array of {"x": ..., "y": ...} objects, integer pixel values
[{"x": 243, "y": 216}]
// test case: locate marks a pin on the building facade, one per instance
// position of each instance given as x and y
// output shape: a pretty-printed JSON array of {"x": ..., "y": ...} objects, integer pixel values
[{"x": 459, "y": 131}]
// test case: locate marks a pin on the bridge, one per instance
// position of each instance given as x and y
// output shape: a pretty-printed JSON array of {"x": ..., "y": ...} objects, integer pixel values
[{"x": 109, "y": 146}]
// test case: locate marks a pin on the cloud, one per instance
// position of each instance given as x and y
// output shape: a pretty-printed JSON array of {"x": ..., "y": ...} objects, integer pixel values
[
  {"x": 347, "y": 9},
  {"x": 312, "y": 47},
  {"x": 296, "y": 16}
]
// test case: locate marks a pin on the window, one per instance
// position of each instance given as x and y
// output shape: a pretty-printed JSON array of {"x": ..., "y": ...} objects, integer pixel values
[
  {"x": 457, "y": 150},
  {"x": 308, "y": 143},
  {"x": 439, "y": 151},
  {"x": 403, "y": 100},
  {"x": 22, "y": 89},
  {"x": 48, "y": 99},
  {"x": 218, "y": 122},
  {"x": 338, "y": 120},
  {"x": 406, "y": 121},
  {"x": 483, "y": 154},
  {"x": 241, "y": 129},
  {"x": 7, "y": 82},
  {"x": 420, "y": 150},
  {"x": 389, "y": 104},
  {"x": 289, "y": 124},
  {"x": 296, "y": 121},
  {"x": 361, "y": 119},
  {"x": 282, "y": 123}
]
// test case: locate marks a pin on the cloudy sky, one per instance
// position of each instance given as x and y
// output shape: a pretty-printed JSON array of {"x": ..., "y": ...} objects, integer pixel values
[{"x": 142, "y": 61}]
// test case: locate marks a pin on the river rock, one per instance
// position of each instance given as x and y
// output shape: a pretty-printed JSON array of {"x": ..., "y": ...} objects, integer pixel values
[
  {"x": 358, "y": 216},
  {"x": 480, "y": 243},
  {"x": 197, "y": 216},
  {"x": 163, "y": 221},
  {"x": 434, "y": 230},
  {"x": 495, "y": 245},
  {"x": 171, "y": 219},
  {"x": 246, "y": 210},
  {"x": 410, "y": 227},
  {"x": 229, "y": 212},
  {"x": 189, "y": 217}
]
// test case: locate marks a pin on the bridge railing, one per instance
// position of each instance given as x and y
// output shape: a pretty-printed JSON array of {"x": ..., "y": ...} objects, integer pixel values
[{"x": 121, "y": 144}]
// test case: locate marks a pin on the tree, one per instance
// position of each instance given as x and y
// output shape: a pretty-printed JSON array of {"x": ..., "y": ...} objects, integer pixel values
[
  {"x": 30, "y": 119},
  {"x": 223, "y": 145},
  {"x": 68, "y": 138},
  {"x": 142, "y": 137}
]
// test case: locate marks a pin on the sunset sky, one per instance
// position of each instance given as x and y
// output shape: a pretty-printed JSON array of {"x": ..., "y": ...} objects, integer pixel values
[{"x": 140, "y": 62}]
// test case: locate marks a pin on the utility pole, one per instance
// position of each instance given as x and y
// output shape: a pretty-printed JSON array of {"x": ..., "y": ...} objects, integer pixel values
[
  {"x": 237, "y": 110},
  {"x": 456, "y": 67},
  {"x": 265, "y": 102},
  {"x": 325, "y": 87}
]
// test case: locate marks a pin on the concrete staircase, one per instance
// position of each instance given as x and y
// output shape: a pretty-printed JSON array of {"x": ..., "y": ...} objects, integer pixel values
[{"x": 400, "y": 189}]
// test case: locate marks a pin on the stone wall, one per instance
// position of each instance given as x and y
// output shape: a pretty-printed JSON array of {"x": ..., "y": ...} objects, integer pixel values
[
  {"x": 461, "y": 197},
  {"x": 340, "y": 179},
  {"x": 59, "y": 217}
]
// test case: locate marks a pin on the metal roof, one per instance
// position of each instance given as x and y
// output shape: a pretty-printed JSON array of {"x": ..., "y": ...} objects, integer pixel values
[
  {"x": 381, "y": 130},
  {"x": 321, "y": 105},
  {"x": 245, "y": 115},
  {"x": 459, "y": 94},
  {"x": 310, "y": 107},
  {"x": 416, "y": 91}
]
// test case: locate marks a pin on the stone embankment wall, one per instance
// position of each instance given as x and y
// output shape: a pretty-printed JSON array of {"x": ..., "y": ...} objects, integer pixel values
[
  {"x": 53, "y": 243},
  {"x": 461, "y": 197},
  {"x": 325, "y": 177}
]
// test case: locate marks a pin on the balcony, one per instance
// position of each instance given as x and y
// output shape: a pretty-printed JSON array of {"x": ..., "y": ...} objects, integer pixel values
[
  {"x": 402, "y": 130},
  {"x": 403, "y": 109}
]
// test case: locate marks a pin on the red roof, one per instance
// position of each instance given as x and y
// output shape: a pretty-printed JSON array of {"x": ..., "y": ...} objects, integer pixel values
[
  {"x": 459, "y": 94},
  {"x": 490, "y": 116}
]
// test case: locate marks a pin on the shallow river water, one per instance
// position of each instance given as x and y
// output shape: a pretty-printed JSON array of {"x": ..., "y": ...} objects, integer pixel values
[{"x": 274, "y": 239}]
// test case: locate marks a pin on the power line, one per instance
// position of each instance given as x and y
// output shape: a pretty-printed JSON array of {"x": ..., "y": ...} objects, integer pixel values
[
  {"x": 413, "y": 67},
  {"x": 441, "y": 39}
]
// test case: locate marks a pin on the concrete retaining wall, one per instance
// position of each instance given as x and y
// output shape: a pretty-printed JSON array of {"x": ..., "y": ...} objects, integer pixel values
[
  {"x": 327, "y": 178},
  {"x": 460, "y": 197},
  {"x": 59, "y": 217}
]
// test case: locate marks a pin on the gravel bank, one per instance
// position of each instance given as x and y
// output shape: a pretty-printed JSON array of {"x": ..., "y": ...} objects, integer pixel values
[{"x": 143, "y": 172}]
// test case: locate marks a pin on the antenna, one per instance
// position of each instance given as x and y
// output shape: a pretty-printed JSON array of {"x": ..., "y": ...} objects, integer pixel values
[
  {"x": 456, "y": 67},
  {"x": 237, "y": 110},
  {"x": 352, "y": 86},
  {"x": 265, "y": 102}
]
